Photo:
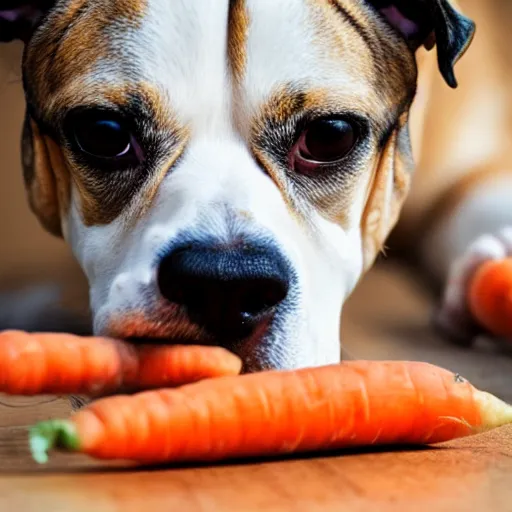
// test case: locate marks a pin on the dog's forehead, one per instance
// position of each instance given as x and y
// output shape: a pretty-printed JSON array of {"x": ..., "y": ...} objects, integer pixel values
[
  {"x": 339, "y": 51},
  {"x": 190, "y": 49}
]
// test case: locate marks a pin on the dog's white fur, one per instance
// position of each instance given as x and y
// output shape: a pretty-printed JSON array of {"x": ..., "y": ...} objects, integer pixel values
[{"x": 484, "y": 212}]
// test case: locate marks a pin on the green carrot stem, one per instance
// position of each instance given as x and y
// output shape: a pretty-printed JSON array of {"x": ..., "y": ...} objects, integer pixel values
[{"x": 47, "y": 435}]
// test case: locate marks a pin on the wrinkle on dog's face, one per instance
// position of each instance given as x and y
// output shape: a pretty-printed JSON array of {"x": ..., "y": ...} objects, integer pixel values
[{"x": 218, "y": 91}]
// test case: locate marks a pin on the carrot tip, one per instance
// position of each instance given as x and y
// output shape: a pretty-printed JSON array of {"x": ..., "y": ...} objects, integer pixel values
[
  {"x": 48, "y": 435},
  {"x": 494, "y": 412}
]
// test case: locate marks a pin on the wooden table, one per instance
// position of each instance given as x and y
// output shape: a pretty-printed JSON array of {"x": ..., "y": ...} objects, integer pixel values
[{"x": 386, "y": 318}]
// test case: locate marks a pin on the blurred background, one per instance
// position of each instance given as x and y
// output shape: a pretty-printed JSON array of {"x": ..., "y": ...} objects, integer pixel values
[
  {"x": 27, "y": 251},
  {"x": 29, "y": 256}
]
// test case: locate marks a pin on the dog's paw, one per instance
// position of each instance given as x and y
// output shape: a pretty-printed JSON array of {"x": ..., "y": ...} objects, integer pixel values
[{"x": 452, "y": 318}]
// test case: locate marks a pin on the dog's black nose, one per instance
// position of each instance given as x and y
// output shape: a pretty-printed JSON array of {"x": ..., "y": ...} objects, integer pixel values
[{"x": 228, "y": 291}]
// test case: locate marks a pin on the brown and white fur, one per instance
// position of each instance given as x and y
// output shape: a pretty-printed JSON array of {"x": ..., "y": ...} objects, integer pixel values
[{"x": 219, "y": 95}]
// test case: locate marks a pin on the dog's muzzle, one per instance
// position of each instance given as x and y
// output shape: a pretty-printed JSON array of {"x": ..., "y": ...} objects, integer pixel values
[{"x": 227, "y": 290}]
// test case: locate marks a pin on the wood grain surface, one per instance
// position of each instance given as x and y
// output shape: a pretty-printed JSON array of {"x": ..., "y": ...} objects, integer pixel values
[{"x": 386, "y": 319}]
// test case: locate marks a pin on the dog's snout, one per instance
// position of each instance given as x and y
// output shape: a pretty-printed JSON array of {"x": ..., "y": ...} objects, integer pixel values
[{"x": 228, "y": 291}]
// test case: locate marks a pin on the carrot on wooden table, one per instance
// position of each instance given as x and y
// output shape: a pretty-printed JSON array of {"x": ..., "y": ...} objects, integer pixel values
[
  {"x": 32, "y": 364},
  {"x": 347, "y": 405},
  {"x": 490, "y": 297}
]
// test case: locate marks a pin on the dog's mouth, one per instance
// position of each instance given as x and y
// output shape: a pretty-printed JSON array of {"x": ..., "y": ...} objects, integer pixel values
[
  {"x": 232, "y": 340},
  {"x": 246, "y": 347},
  {"x": 253, "y": 343}
]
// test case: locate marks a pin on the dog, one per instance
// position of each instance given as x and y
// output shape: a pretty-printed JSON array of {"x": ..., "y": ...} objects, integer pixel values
[{"x": 226, "y": 171}]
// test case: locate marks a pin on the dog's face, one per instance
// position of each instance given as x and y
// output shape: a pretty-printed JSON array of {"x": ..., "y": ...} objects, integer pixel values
[{"x": 224, "y": 171}]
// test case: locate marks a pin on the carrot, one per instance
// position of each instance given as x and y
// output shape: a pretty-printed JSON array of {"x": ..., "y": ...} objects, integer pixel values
[
  {"x": 269, "y": 413},
  {"x": 490, "y": 297},
  {"x": 32, "y": 364}
]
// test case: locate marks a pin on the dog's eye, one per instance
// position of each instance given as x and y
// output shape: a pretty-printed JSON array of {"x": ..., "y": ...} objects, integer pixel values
[
  {"x": 103, "y": 137},
  {"x": 324, "y": 141}
]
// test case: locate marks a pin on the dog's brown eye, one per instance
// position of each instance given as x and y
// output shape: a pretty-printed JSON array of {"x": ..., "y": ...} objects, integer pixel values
[
  {"x": 324, "y": 141},
  {"x": 102, "y": 138}
]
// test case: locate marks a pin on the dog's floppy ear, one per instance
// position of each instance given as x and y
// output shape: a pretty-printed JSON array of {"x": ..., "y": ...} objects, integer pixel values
[
  {"x": 428, "y": 23},
  {"x": 45, "y": 178},
  {"x": 19, "y": 18}
]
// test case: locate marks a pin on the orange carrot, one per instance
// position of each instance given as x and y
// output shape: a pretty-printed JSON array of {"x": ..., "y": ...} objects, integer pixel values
[
  {"x": 490, "y": 297},
  {"x": 269, "y": 413},
  {"x": 33, "y": 364}
]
